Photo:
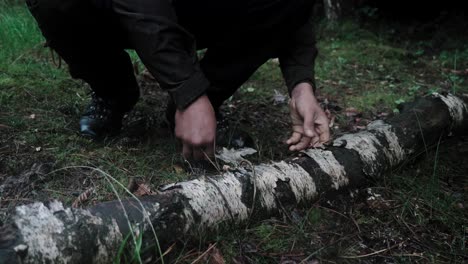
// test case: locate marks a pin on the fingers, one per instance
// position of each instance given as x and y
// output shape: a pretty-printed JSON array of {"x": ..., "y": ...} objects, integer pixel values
[
  {"x": 317, "y": 128},
  {"x": 309, "y": 125},
  {"x": 323, "y": 130},
  {"x": 195, "y": 126},
  {"x": 294, "y": 139},
  {"x": 303, "y": 143},
  {"x": 315, "y": 142},
  {"x": 325, "y": 135}
]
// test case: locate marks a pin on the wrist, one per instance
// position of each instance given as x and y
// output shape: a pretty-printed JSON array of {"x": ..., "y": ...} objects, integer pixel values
[
  {"x": 203, "y": 99},
  {"x": 302, "y": 88}
]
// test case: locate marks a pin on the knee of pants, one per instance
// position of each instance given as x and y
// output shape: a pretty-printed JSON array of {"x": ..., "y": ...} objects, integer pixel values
[{"x": 78, "y": 71}]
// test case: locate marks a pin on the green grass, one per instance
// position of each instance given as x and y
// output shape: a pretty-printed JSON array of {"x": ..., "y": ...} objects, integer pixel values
[
  {"x": 18, "y": 32},
  {"x": 368, "y": 67},
  {"x": 374, "y": 68},
  {"x": 42, "y": 105}
]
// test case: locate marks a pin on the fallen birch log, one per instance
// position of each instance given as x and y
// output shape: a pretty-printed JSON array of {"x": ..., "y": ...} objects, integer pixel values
[{"x": 52, "y": 233}]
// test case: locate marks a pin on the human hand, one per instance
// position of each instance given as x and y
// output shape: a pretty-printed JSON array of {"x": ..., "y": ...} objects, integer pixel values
[
  {"x": 196, "y": 128},
  {"x": 309, "y": 123}
]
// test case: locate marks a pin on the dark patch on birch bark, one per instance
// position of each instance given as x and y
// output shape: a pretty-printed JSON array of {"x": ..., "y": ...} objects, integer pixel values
[
  {"x": 247, "y": 181},
  {"x": 284, "y": 195},
  {"x": 321, "y": 179}
]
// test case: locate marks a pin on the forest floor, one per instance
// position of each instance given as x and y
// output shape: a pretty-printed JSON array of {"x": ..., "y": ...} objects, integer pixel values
[{"x": 366, "y": 67}]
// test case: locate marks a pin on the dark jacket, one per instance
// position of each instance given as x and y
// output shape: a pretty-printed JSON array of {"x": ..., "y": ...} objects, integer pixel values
[
  {"x": 239, "y": 36},
  {"x": 180, "y": 28}
]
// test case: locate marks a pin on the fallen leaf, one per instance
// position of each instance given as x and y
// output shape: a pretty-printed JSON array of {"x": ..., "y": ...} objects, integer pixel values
[
  {"x": 215, "y": 256},
  {"x": 279, "y": 98},
  {"x": 178, "y": 169},
  {"x": 132, "y": 185},
  {"x": 332, "y": 122},
  {"x": 331, "y": 117},
  {"x": 83, "y": 197},
  {"x": 352, "y": 112},
  {"x": 143, "y": 189},
  {"x": 234, "y": 156},
  {"x": 383, "y": 114}
]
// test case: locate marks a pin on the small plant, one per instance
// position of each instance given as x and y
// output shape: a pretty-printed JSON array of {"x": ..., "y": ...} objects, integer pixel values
[
  {"x": 135, "y": 255},
  {"x": 342, "y": 61},
  {"x": 413, "y": 90},
  {"x": 399, "y": 101},
  {"x": 455, "y": 81}
]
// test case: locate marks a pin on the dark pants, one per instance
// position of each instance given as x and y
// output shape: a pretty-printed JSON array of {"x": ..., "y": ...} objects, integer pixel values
[{"x": 91, "y": 38}]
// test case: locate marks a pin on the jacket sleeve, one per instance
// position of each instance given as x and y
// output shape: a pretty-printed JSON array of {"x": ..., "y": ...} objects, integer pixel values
[
  {"x": 165, "y": 48},
  {"x": 297, "y": 59}
]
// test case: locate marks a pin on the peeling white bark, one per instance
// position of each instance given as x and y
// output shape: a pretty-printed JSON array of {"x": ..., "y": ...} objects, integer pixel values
[
  {"x": 328, "y": 163},
  {"x": 219, "y": 199},
  {"x": 302, "y": 184},
  {"x": 366, "y": 145},
  {"x": 113, "y": 236},
  {"x": 47, "y": 246},
  {"x": 395, "y": 153},
  {"x": 214, "y": 199},
  {"x": 29, "y": 219},
  {"x": 457, "y": 108},
  {"x": 234, "y": 156},
  {"x": 267, "y": 176}
]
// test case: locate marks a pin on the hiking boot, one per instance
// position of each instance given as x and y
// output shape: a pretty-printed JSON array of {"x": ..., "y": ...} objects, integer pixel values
[{"x": 100, "y": 120}]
